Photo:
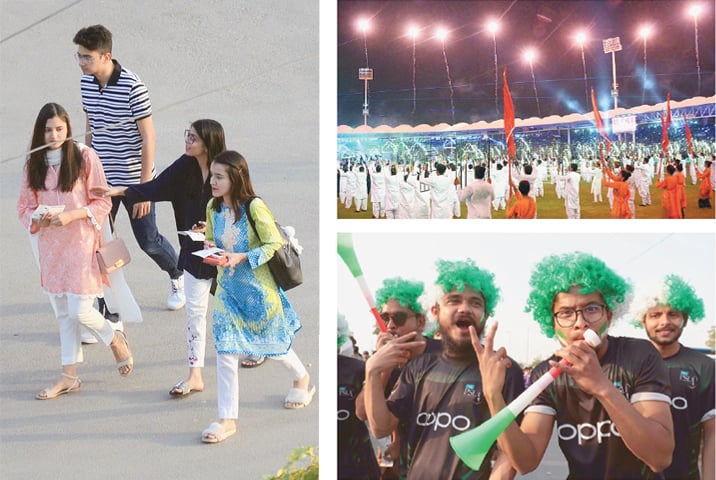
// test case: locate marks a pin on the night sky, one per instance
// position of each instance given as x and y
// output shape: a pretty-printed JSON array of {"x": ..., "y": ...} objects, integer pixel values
[{"x": 548, "y": 26}]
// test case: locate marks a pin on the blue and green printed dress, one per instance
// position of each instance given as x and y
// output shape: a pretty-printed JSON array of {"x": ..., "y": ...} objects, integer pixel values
[{"x": 251, "y": 313}]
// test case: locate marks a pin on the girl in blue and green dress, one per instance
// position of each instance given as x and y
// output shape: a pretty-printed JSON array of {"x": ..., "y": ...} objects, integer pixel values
[{"x": 252, "y": 315}]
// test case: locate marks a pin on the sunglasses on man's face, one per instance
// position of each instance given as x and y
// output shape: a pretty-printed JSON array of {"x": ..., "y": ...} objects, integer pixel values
[{"x": 399, "y": 318}]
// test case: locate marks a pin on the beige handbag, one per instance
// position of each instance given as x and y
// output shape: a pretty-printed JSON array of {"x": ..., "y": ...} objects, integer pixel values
[{"x": 113, "y": 255}]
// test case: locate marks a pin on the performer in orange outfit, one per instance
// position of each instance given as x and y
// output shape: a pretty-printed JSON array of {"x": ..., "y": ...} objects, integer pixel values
[
  {"x": 525, "y": 206},
  {"x": 620, "y": 205},
  {"x": 670, "y": 203},
  {"x": 705, "y": 187}
]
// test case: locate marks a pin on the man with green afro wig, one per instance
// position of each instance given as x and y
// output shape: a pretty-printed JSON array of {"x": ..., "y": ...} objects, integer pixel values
[
  {"x": 559, "y": 273},
  {"x": 611, "y": 402},
  {"x": 663, "y": 311},
  {"x": 441, "y": 394}
]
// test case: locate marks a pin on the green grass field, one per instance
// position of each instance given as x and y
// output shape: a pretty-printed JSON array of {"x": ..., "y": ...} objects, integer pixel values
[{"x": 550, "y": 206}]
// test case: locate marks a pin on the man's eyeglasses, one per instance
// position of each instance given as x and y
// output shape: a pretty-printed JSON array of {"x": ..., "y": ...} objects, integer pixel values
[
  {"x": 399, "y": 318},
  {"x": 84, "y": 59},
  {"x": 189, "y": 137},
  {"x": 567, "y": 317}
]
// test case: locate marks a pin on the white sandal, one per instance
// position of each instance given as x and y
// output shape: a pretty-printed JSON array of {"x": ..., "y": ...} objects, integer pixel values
[
  {"x": 47, "y": 393},
  {"x": 300, "y": 397}
]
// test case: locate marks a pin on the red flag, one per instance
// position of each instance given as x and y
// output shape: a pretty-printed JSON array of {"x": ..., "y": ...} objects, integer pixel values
[
  {"x": 509, "y": 117},
  {"x": 668, "y": 110},
  {"x": 664, "y": 134},
  {"x": 688, "y": 137},
  {"x": 600, "y": 123}
]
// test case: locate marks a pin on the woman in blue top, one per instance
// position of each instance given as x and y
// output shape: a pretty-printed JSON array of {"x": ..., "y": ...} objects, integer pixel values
[
  {"x": 185, "y": 183},
  {"x": 251, "y": 313}
]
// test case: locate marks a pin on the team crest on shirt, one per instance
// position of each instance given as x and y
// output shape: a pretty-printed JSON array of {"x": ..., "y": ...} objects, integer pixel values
[
  {"x": 622, "y": 389},
  {"x": 472, "y": 391},
  {"x": 688, "y": 379},
  {"x": 344, "y": 391}
]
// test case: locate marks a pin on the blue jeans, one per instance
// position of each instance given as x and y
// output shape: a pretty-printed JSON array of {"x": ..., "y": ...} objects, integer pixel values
[{"x": 149, "y": 239}]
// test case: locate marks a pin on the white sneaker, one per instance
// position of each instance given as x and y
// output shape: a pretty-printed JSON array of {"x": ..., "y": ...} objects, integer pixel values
[
  {"x": 176, "y": 298},
  {"x": 117, "y": 326},
  {"x": 87, "y": 337}
]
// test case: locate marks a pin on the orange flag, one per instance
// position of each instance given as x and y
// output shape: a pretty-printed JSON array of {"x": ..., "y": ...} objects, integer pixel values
[
  {"x": 509, "y": 117},
  {"x": 600, "y": 123},
  {"x": 664, "y": 134},
  {"x": 689, "y": 138},
  {"x": 668, "y": 110}
]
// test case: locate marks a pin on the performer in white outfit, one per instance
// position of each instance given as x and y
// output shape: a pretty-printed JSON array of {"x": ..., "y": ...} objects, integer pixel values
[
  {"x": 499, "y": 182},
  {"x": 596, "y": 189},
  {"x": 377, "y": 190},
  {"x": 571, "y": 191},
  {"x": 392, "y": 193},
  {"x": 360, "y": 193},
  {"x": 442, "y": 193},
  {"x": 478, "y": 195}
]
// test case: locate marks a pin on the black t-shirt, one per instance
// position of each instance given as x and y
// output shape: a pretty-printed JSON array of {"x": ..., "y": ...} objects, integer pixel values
[
  {"x": 438, "y": 398},
  {"x": 356, "y": 458},
  {"x": 587, "y": 437},
  {"x": 692, "y": 402}
]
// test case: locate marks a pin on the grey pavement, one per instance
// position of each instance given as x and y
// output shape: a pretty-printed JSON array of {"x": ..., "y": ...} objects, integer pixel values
[{"x": 253, "y": 66}]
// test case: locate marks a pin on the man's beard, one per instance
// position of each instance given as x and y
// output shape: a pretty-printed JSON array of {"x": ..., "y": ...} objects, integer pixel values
[{"x": 461, "y": 348}]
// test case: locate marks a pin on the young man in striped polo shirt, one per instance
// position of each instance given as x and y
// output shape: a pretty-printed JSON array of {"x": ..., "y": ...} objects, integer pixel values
[{"x": 120, "y": 129}]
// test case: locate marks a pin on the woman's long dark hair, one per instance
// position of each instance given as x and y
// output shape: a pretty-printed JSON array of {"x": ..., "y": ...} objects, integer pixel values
[
  {"x": 212, "y": 134},
  {"x": 238, "y": 171},
  {"x": 71, "y": 166}
]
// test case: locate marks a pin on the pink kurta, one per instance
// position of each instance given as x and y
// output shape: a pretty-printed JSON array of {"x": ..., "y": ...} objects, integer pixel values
[{"x": 68, "y": 262}]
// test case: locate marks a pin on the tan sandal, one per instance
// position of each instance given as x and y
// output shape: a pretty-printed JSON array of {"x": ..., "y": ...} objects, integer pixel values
[
  {"x": 48, "y": 394},
  {"x": 124, "y": 365}
]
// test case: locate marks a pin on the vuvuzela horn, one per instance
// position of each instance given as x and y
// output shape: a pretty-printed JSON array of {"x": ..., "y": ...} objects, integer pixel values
[
  {"x": 473, "y": 445},
  {"x": 348, "y": 254}
]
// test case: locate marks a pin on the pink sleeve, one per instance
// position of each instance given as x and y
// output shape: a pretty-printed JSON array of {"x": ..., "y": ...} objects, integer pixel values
[
  {"x": 27, "y": 201},
  {"x": 99, "y": 206}
]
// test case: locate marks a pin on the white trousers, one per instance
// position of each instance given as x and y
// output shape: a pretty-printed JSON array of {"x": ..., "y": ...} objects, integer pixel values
[
  {"x": 72, "y": 311},
  {"x": 227, "y": 379},
  {"x": 197, "y": 293}
]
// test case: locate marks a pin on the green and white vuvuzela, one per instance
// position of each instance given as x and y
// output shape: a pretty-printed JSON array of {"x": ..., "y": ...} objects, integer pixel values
[
  {"x": 348, "y": 254},
  {"x": 473, "y": 445}
]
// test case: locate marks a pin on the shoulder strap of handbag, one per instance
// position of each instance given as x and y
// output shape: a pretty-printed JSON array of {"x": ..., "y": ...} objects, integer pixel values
[{"x": 250, "y": 217}]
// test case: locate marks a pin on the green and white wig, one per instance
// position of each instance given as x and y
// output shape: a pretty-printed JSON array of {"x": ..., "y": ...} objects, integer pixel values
[
  {"x": 406, "y": 292},
  {"x": 558, "y": 273},
  {"x": 455, "y": 275},
  {"x": 672, "y": 291}
]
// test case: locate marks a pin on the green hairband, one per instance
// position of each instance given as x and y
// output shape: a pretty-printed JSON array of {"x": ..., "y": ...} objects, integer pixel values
[
  {"x": 676, "y": 293},
  {"x": 405, "y": 292},
  {"x": 558, "y": 273},
  {"x": 455, "y": 275}
]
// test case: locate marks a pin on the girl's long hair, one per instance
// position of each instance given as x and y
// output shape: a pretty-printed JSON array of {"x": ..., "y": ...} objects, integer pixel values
[
  {"x": 71, "y": 166},
  {"x": 238, "y": 171}
]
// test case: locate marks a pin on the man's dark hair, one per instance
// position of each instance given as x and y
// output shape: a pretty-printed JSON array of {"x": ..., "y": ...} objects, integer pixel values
[
  {"x": 378, "y": 168},
  {"x": 95, "y": 37},
  {"x": 480, "y": 172},
  {"x": 524, "y": 187},
  {"x": 440, "y": 167},
  {"x": 528, "y": 169},
  {"x": 573, "y": 167},
  {"x": 630, "y": 169}
]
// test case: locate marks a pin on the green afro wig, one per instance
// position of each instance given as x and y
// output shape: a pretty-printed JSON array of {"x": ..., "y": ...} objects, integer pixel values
[
  {"x": 406, "y": 293},
  {"x": 673, "y": 291},
  {"x": 558, "y": 273},
  {"x": 343, "y": 331},
  {"x": 455, "y": 275}
]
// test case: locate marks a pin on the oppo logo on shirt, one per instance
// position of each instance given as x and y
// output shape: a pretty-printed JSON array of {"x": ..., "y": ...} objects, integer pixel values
[
  {"x": 343, "y": 415},
  {"x": 442, "y": 420},
  {"x": 586, "y": 431}
]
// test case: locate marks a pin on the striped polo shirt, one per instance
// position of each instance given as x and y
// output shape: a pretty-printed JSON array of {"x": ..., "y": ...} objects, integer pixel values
[{"x": 113, "y": 112}]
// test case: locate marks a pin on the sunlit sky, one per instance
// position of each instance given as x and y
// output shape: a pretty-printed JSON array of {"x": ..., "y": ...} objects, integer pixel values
[{"x": 640, "y": 257}]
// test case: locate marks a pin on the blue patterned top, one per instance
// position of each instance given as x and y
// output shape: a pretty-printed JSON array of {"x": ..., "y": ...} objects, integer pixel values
[{"x": 251, "y": 313}]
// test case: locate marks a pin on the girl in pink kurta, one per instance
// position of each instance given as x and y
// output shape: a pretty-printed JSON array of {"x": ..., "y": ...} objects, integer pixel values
[{"x": 61, "y": 176}]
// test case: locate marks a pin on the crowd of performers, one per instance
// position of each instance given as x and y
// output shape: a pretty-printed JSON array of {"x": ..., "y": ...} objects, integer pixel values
[{"x": 436, "y": 189}]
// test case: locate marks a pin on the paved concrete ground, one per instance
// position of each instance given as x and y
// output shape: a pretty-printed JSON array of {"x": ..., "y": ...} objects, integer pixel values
[{"x": 253, "y": 66}]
